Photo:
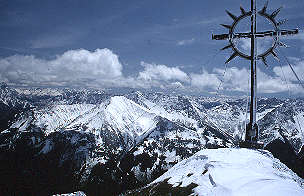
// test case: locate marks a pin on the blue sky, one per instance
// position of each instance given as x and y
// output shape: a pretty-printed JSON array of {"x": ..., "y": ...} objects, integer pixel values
[{"x": 136, "y": 43}]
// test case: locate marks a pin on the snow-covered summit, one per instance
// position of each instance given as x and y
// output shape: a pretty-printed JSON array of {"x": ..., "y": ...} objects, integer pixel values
[
  {"x": 79, "y": 193},
  {"x": 232, "y": 172}
]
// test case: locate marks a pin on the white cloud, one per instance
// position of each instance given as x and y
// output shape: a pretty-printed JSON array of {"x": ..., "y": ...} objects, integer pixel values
[
  {"x": 286, "y": 71},
  {"x": 238, "y": 80},
  {"x": 185, "y": 42},
  {"x": 270, "y": 84},
  {"x": 162, "y": 73},
  {"x": 205, "y": 81},
  {"x": 245, "y": 46},
  {"x": 234, "y": 79},
  {"x": 74, "y": 67},
  {"x": 287, "y": 76},
  {"x": 263, "y": 44},
  {"x": 101, "y": 68}
]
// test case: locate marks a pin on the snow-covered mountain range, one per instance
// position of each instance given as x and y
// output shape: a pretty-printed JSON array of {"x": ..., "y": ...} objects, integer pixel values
[{"x": 105, "y": 144}]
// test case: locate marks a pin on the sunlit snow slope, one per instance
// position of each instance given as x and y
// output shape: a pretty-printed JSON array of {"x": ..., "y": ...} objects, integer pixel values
[
  {"x": 119, "y": 113},
  {"x": 233, "y": 172},
  {"x": 79, "y": 193}
]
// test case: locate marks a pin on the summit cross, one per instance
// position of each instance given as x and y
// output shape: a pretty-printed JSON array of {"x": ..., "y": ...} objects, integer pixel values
[{"x": 252, "y": 131}]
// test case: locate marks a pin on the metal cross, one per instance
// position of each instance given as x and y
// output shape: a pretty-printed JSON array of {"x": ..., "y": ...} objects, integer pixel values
[{"x": 252, "y": 132}]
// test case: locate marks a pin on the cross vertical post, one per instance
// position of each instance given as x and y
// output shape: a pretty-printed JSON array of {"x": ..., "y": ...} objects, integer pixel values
[{"x": 252, "y": 128}]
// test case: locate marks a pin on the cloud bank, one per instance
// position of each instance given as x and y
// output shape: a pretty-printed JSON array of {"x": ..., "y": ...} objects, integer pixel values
[
  {"x": 74, "y": 67},
  {"x": 102, "y": 69}
]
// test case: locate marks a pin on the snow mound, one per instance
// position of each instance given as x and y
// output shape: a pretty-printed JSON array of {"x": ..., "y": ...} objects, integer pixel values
[
  {"x": 234, "y": 172},
  {"x": 79, "y": 193}
]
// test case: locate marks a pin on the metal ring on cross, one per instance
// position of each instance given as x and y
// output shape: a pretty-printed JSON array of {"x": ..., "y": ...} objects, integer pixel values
[
  {"x": 275, "y": 33},
  {"x": 234, "y": 35}
]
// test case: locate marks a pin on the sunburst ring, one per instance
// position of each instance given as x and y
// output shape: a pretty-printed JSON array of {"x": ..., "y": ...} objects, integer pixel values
[
  {"x": 259, "y": 56},
  {"x": 232, "y": 35},
  {"x": 274, "y": 33}
]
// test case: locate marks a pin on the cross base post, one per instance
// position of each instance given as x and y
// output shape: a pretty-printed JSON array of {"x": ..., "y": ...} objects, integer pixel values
[{"x": 251, "y": 138}]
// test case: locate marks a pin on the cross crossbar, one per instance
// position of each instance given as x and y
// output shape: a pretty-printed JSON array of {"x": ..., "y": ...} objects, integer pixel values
[{"x": 257, "y": 34}]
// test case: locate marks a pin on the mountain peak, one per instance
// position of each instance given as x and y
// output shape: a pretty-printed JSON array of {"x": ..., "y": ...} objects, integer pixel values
[{"x": 3, "y": 85}]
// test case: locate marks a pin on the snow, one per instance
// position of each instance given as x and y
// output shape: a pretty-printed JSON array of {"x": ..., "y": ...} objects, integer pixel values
[
  {"x": 234, "y": 172},
  {"x": 47, "y": 147},
  {"x": 121, "y": 114},
  {"x": 39, "y": 91},
  {"x": 139, "y": 151},
  {"x": 299, "y": 122},
  {"x": 171, "y": 156},
  {"x": 22, "y": 124},
  {"x": 60, "y": 116},
  {"x": 127, "y": 119},
  {"x": 79, "y": 193},
  {"x": 161, "y": 111},
  {"x": 261, "y": 115},
  {"x": 126, "y": 114}
]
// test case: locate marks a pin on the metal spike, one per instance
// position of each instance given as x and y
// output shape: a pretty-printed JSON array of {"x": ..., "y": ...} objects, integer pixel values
[
  {"x": 231, "y": 15},
  {"x": 275, "y": 13},
  {"x": 282, "y": 22},
  {"x": 263, "y": 11},
  {"x": 242, "y": 10},
  {"x": 226, "y": 47},
  {"x": 283, "y": 45},
  {"x": 226, "y": 26},
  {"x": 265, "y": 61},
  {"x": 275, "y": 55},
  {"x": 231, "y": 57}
]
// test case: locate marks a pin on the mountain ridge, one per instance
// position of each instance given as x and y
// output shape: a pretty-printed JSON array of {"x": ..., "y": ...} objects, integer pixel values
[{"x": 127, "y": 141}]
